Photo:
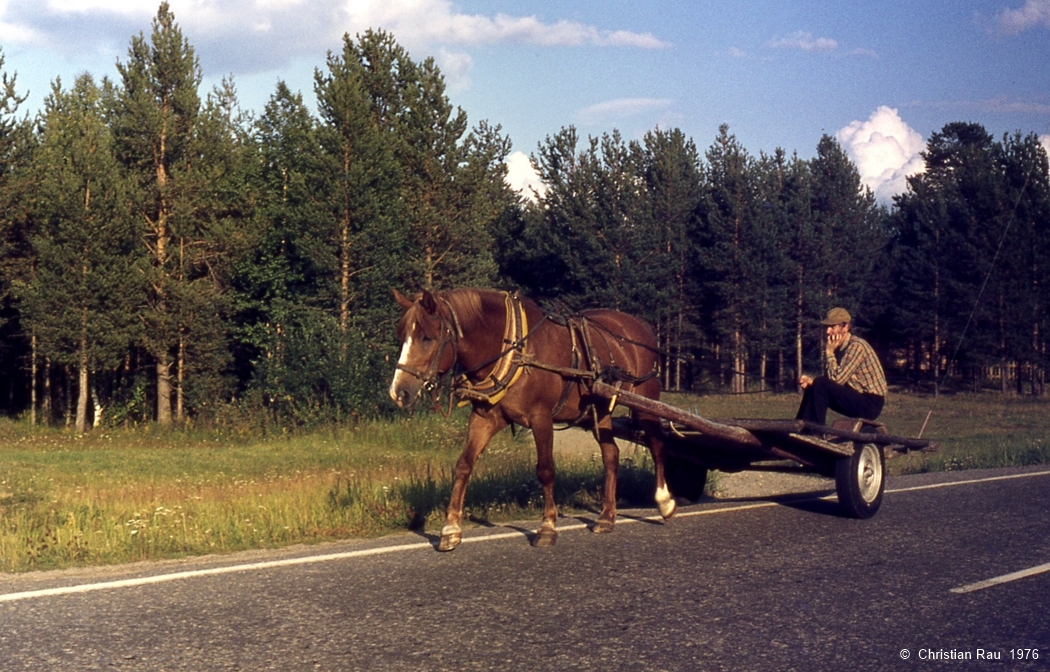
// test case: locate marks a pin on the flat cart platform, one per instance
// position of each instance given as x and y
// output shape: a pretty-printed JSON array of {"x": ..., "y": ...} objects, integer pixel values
[{"x": 851, "y": 451}]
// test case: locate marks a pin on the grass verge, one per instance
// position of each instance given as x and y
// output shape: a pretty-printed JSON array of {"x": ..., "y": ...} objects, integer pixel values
[{"x": 137, "y": 495}]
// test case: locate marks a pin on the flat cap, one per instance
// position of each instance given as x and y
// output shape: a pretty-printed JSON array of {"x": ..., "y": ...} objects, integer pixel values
[{"x": 836, "y": 316}]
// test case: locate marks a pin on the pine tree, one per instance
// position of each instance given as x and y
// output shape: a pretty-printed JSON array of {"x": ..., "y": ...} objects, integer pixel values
[
  {"x": 359, "y": 104},
  {"x": 211, "y": 238},
  {"x": 79, "y": 302},
  {"x": 777, "y": 205},
  {"x": 847, "y": 239},
  {"x": 732, "y": 264},
  {"x": 671, "y": 168},
  {"x": 155, "y": 117},
  {"x": 17, "y": 145}
]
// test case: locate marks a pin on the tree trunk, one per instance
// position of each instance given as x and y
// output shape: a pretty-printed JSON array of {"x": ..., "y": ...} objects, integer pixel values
[
  {"x": 763, "y": 365},
  {"x": 179, "y": 394},
  {"x": 678, "y": 350},
  {"x": 33, "y": 378},
  {"x": 45, "y": 409},
  {"x": 82, "y": 388},
  {"x": 344, "y": 263},
  {"x": 164, "y": 389},
  {"x": 798, "y": 330},
  {"x": 161, "y": 259},
  {"x": 83, "y": 393},
  {"x": 739, "y": 363},
  {"x": 68, "y": 389}
]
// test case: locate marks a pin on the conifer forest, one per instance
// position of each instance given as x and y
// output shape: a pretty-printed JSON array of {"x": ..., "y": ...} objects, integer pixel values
[{"x": 167, "y": 257}]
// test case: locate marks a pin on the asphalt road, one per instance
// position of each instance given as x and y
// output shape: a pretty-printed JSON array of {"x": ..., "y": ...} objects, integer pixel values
[{"x": 739, "y": 585}]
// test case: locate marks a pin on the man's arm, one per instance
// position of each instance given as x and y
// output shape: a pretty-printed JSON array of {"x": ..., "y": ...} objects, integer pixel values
[{"x": 852, "y": 358}]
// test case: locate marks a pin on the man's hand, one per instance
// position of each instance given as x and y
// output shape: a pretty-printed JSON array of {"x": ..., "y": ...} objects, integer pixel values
[
  {"x": 805, "y": 381},
  {"x": 835, "y": 341}
]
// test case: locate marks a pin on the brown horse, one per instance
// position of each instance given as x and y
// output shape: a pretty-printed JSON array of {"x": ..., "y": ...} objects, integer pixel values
[{"x": 517, "y": 364}]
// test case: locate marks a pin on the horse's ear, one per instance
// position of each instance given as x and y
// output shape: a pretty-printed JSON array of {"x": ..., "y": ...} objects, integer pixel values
[
  {"x": 402, "y": 300},
  {"x": 429, "y": 302}
]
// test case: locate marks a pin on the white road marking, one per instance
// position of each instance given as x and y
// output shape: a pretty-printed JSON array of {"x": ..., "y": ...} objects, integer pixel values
[
  {"x": 990, "y": 479},
  {"x": 1005, "y": 578},
  {"x": 290, "y": 562}
]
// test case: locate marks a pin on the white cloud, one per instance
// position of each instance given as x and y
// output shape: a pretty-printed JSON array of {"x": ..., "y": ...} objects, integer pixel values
[
  {"x": 885, "y": 150},
  {"x": 123, "y": 7},
  {"x": 522, "y": 176},
  {"x": 260, "y": 35},
  {"x": 620, "y": 108},
  {"x": 804, "y": 41},
  {"x": 455, "y": 66},
  {"x": 1034, "y": 14},
  {"x": 432, "y": 21}
]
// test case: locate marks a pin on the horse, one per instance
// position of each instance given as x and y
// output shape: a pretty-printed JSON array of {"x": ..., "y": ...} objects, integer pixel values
[{"x": 515, "y": 363}]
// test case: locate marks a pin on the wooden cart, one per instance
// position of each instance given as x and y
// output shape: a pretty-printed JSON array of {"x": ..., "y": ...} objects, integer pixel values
[{"x": 851, "y": 451}]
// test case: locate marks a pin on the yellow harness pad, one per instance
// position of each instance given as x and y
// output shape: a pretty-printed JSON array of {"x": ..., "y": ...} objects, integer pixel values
[{"x": 509, "y": 369}]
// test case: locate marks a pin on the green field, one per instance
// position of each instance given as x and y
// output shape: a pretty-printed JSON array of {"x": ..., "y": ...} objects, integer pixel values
[{"x": 120, "y": 496}]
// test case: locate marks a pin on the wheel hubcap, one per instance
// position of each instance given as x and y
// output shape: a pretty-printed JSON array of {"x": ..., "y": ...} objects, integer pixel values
[{"x": 869, "y": 473}]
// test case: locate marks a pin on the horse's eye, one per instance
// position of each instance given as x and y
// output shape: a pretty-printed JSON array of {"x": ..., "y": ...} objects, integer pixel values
[{"x": 427, "y": 339}]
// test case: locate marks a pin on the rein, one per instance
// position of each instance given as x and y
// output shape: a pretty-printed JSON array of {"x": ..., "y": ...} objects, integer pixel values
[{"x": 513, "y": 361}]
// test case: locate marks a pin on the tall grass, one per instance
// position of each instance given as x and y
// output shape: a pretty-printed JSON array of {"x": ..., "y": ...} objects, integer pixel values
[
  {"x": 119, "y": 496},
  {"x": 135, "y": 495}
]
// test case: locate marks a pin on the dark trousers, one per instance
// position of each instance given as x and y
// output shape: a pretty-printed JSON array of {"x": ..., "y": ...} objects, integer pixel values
[{"x": 824, "y": 394}]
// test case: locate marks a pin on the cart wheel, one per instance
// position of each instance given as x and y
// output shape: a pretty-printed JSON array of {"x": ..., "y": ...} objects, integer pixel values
[
  {"x": 859, "y": 480},
  {"x": 685, "y": 478}
]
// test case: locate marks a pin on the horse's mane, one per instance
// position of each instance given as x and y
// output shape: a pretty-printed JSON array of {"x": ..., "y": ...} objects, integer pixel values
[{"x": 465, "y": 304}]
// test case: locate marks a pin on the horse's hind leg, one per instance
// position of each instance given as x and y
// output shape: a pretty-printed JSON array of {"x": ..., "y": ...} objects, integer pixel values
[
  {"x": 480, "y": 430},
  {"x": 611, "y": 460},
  {"x": 664, "y": 500},
  {"x": 650, "y": 426}
]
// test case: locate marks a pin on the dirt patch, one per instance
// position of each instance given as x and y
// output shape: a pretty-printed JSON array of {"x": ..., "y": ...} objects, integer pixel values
[
  {"x": 577, "y": 444},
  {"x": 749, "y": 484}
]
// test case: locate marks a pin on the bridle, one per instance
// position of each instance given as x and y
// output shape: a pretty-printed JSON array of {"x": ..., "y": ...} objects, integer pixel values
[{"x": 450, "y": 333}]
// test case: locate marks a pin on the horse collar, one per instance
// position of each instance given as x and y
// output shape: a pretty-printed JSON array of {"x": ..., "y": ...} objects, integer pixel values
[{"x": 508, "y": 367}]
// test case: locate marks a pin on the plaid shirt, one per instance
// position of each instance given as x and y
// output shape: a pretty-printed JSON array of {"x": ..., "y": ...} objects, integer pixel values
[{"x": 857, "y": 366}]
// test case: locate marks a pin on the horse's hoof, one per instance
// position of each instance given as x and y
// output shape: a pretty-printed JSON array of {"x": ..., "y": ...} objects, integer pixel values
[
  {"x": 449, "y": 542},
  {"x": 667, "y": 509},
  {"x": 665, "y": 502},
  {"x": 603, "y": 526},
  {"x": 451, "y": 536},
  {"x": 544, "y": 538}
]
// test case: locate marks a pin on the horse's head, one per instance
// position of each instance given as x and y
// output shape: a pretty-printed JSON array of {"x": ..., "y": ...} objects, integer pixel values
[{"x": 428, "y": 334}]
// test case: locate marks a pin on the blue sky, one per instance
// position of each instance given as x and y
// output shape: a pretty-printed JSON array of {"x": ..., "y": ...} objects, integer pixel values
[{"x": 880, "y": 76}]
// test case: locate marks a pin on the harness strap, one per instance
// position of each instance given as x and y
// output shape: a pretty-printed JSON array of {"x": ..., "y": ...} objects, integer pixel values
[
  {"x": 513, "y": 360},
  {"x": 508, "y": 367}
]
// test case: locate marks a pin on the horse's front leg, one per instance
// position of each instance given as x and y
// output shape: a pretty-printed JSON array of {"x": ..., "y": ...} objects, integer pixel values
[
  {"x": 480, "y": 430},
  {"x": 543, "y": 434},
  {"x": 611, "y": 460}
]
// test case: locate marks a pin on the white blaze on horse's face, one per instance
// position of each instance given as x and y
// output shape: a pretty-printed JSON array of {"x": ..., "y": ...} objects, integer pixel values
[{"x": 398, "y": 391}]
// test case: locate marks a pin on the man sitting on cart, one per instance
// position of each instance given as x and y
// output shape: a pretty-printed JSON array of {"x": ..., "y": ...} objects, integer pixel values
[{"x": 854, "y": 383}]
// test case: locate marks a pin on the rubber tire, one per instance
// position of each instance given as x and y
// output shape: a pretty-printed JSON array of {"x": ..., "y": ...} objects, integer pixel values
[
  {"x": 860, "y": 480},
  {"x": 685, "y": 478}
]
